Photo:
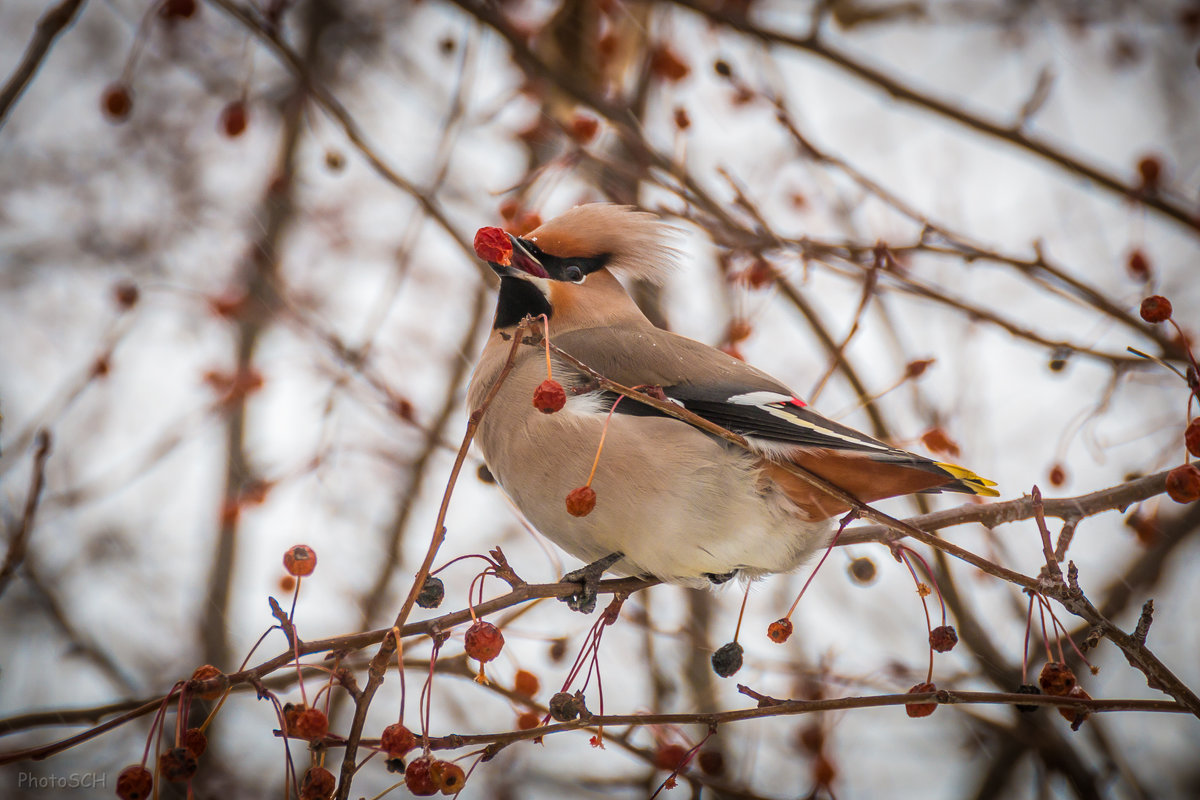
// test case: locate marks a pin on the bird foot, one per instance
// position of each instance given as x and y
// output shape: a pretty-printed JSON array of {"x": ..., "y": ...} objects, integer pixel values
[{"x": 588, "y": 578}]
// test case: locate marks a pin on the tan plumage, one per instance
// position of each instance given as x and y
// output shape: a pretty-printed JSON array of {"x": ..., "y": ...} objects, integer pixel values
[{"x": 677, "y": 503}]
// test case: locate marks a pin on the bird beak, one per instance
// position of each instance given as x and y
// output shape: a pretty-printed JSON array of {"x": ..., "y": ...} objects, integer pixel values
[{"x": 524, "y": 265}]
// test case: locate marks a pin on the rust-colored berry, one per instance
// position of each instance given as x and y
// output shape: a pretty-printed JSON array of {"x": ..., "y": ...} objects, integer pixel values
[
  {"x": 447, "y": 776},
  {"x": 580, "y": 501},
  {"x": 671, "y": 757},
  {"x": 564, "y": 707},
  {"x": 780, "y": 630},
  {"x": 417, "y": 777},
  {"x": 483, "y": 641},
  {"x": 1191, "y": 437},
  {"x": 1058, "y": 475},
  {"x": 1138, "y": 265},
  {"x": 528, "y": 720},
  {"x": 433, "y": 591},
  {"x": 1071, "y": 715},
  {"x": 194, "y": 741},
  {"x": 397, "y": 740},
  {"x": 1027, "y": 688},
  {"x": 1056, "y": 679},
  {"x": 233, "y": 119},
  {"x": 1183, "y": 483},
  {"x": 126, "y": 294},
  {"x": 921, "y": 709},
  {"x": 206, "y": 672},
  {"x": 943, "y": 638},
  {"x": 134, "y": 783},
  {"x": 1150, "y": 172},
  {"x": 318, "y": 784},
  {"x": 727, "y": 660},
  {"x": 117, "y": 102},
  {"x": 583, "y": 128},
  {"x": 712, "y": 762},
  {"x": 665, "y": 63},
  {"x": 493, "y": 244},
  {"x": 937, "y": 440},
  {"x": 300, "y": 560},
  {"x": 177, "y": 765},
  {"x": 682, "y": 120},
  {"x": 549, "y": 396},
  {"x": 1156, "y": 308},
  {"x": 311, "y": 723},
  {"x": 526, "y": 683}
]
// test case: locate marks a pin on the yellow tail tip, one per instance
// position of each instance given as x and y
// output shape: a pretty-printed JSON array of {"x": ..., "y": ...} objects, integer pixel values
[{"x": 980, "y": 486}]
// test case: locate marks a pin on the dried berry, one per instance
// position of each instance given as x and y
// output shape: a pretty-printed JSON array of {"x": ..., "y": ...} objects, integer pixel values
[
  {"x": 311, "y": 723},
  {"x": 921, "y": 709},
  {"x": 397, "y": 740},
  {"x": 1056, "y": 679},
  {"x": 1183, "y": 483},
  {"x": 417, "y": 777},
  {"x": 1138, "y": 265},
  {"x": 526, "y": 683},
  {"x": 177, "y": 765},
  {"x": 194, "y": 741},
  {"x": 1191, "y": 437},
  {"x": 671, "y": 757},
  {"x": 1027, "y": 688},
  {"x": 862, "y": 570},
  {"x": 943, "y": 638},
  {"x": 206, "y": 672},
  {"x": 712, "y": 762},
  {"x": 433, "y": 591},
  {"x": 727, "y": 660},
  {"x": 780, "y": 630},
  {"x": 581, "y": 501},
  {"x": 126, "y": 294},
  {"x": 1071, "y": 715},
  {"x": 564, "y": 707},
  {"x": 318, "y": 784},
  {"x": 558, "y": 650},
  {"x": 1156, "y": 308},
  {"x": 134, "y": 783},
  {"x": 483, "y": 641},
  {"x": 528, "y": 720},
  {"x": 117, "y": 102},
  {"x": 233, "y": 119},
  {"x": 492, "y": 244},
  {"x": 447, "y": 777},
  {"x": 177, "y": 9},
  {"x": 1058, "y": 475},
  {"x": 300, "y": 560},
  {"x": 549, "y": 396}
]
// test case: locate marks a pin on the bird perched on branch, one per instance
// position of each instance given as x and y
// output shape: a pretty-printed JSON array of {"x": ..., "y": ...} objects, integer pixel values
[{"x": 670, "y": 500}]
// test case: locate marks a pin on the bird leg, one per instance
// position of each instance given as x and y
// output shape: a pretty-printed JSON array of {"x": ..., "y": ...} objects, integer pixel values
[{"x": 588, "y": 578}]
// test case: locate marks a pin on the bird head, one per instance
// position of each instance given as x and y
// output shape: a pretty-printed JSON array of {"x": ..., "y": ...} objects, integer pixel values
[{"x": 567, "y": 267}]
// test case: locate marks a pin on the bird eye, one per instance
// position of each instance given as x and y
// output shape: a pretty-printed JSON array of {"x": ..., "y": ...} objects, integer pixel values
[{"x": 574, "y": 274}]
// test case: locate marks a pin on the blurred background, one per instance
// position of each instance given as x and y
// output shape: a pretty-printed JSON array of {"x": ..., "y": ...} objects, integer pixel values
[{"x": 237, "y": 294}]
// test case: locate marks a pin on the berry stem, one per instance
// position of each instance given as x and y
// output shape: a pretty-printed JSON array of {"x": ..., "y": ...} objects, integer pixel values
[
  {"x": 1025, "y": 649},
  {"x": 603, "y": 434},
  {"x": 546, "y": 338},
  {"x": 829, "y": 549},
  {"x": 904, "y": 553},
  {"x": 737, "y": 631}
]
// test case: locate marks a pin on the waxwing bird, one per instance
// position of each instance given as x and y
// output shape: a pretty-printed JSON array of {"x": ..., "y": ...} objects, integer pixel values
[{"x": 671, "y": 501}]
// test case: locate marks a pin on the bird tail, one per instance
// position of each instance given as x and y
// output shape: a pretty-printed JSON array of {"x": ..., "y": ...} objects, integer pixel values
[{"x": 965, "y": 481}]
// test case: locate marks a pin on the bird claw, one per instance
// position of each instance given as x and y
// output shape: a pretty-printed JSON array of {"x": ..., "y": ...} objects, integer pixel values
[{"x": 588, "y": 578}]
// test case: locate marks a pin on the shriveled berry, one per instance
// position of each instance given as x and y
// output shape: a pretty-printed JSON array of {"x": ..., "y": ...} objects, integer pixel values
[
  {"x": 433, "y": 591},
  {"x": 447, "y": 776},
  {"x": 318, "y": 784},
  {"x": 564, "y": 707},
  {"x": 397, "y": 740},
  {"x": 780, "y": 630},
  {"x": 300, "y": 560},
  {"x": 1183, "y": 483},
  {"x": 417, "y": 777},
  {"x": 177, "y": 765},
  {"x": 1056, "y": 679},
  {"x": 206, "y": 672},
  {"x": 712, "y": 762},
  {"x": 1156, "y": 308},
  {"x": 921, "y": 709},
  {"x": 117, "y": 102},
  {"x": 580, "y": 501},
  {"x": 671, "y": 757},
  {"x": 1191, "y": 437},
  {"x": 233, "y": 119},
  {"x": 528, "y": 720},
  {"x": 311, "y": 723},
  {"x": 549, "y": 396},
  {"x": 1027, "y": 688},
  {"x": 727, "y": 660},
  {"x": 194, "y": 741},
  {"x": 134, "y": 783},
  {"x": 1071, "y": 715},
  {"x": 943, "y": 638},
  {"x": 862, "y": 570},
  {"x": 492, "y": 244},
  {"x": 526, "y": 683},
  {"x": 483, "y": 641}
]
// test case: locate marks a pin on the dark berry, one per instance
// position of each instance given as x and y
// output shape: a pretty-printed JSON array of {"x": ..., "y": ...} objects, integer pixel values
[
  {"x": 712, "y": 762},
  {"x": 1071, "y": 715},
  {"x": 671, "y": 757},
  {"x": 943, "y": 638},
  {"x": 862, "y": 570},
  {"x": 528, "y": 720},
  {"x": 117, "y": 102},
  {"x": 194, "y": 741},
  {"x": 318, "y": 784},
  {"x": 1138, "y": 265},
  {"x": 1027, "y": 688},
  {"x": 433, "y": 591},
  {"x": 1156, "y": 308},
  {"x": 1183, "y": 483},
  {"x": 134, "y": 783},
  {"x": 177, "y": 765},
  {"x": 177, "y": 9},
  {"x": 1058, "y": 475},
  {"x": 727, "y": 660},
  {"x": 126, "y": 294},
  {"x": 1191, "y": 437},
  {"x": 233, "y": 119},
  {"x": 564, "y": 707},
  {"x": 1150, "y": 171}
]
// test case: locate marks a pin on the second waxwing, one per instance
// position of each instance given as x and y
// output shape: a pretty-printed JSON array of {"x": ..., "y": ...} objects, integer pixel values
[{"x": 672, "y": 501}]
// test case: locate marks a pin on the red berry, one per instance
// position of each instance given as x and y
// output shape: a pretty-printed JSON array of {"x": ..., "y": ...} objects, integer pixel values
[
  {"x": 318, "y": 784},
  {"x": 1058, "y": 475},
  {"x": 943, "y": 638},
  {"x": 207, "y": 672},
  {"x": 1191, "y": 437},
  {"x": 921, "y": 709},
  {"x": 915, "y": 369},
  {"x": 233, "y": 119},
  {"x": 760, "y": 274},
  {"x": 397, "y": 740},
  {"x": 417, "y": 777},
  {"x": 134, "y": 783},
  {"x": 117, "y": 102},
  {"x": 583, "y": 128},
  {"x": 581, "y": 501},
  {"x": 938, "y": 441},
  {"x": 1056, "y": 679},
  {"x": 671, "y": 757},
  {"x": 780, "y": 630},
  {"x": 666, "y": 64},
  {"x": 526, "y": 683},
  {"x": 682, "y": 120},
  {"x": 300, "y": 560},
  {"x": 311, "y": 723},
  {"x": 528, "y": 721},
  {"x": 1183, "y": 483},
  {"x": 483, "y": 641},
  {"x": 447, "y": 777},
  {"x": 1156, "y": 308},
  {"x": 549, "y": 396},
  {"x": 492, "y": 244},
  {"x": 194, "y": 741},
  {"x": 1138, "y": 265},
  {"x": 177, "y": 765}
]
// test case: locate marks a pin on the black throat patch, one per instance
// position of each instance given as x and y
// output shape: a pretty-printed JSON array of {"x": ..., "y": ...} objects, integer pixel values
[{"x": 519, "y": 298}]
